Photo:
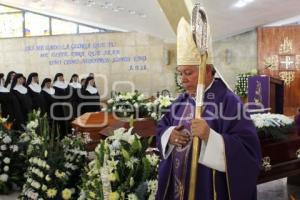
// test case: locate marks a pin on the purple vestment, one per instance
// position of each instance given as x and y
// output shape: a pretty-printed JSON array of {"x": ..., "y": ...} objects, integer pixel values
[{"x": 224, "y": 114}]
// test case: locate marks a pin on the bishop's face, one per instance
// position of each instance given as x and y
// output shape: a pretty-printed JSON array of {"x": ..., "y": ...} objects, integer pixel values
[{"x": 189, "y": 77}]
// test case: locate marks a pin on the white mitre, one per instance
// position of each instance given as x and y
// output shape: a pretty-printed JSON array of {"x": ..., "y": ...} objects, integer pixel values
[{"x": 187, "y": 52}]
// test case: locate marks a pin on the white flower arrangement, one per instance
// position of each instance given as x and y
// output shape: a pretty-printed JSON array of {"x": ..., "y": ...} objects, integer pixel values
[
  {"x": 10, "y": 171},
  {"x": 272, "y": 125},
  {"x": 159, "y": 106},
  {"x": 54, "y": 166},
  {"x": 241, "y": 86},
  {"x": 122, "y": 169},
  {"x": 128, "y": 104},
  {"x": 271, "y": 120},
  {"x": 32, "y": 125}
]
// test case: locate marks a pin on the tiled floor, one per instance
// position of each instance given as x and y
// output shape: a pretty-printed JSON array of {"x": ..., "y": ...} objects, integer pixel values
[
  {"x": 9, "y": 197},
  {"x": 275, "y": 190}
]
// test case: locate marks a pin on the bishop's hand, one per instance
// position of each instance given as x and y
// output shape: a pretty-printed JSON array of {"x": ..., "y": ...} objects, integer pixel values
[
  {"x": 178, "y": 137},
  {"x": 200, "y": 128}
]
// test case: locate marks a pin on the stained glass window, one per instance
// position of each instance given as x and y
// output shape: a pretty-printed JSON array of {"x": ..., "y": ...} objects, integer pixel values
[
  {"x": 63, "y": 27},
  {"x": 36, "y": 25},
  {"x": 11, "y": 25}
]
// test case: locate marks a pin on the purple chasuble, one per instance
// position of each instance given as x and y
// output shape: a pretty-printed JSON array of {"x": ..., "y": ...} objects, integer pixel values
[
  {"x": 226, "y": 115},
  {"x": 181, "y": 156}
]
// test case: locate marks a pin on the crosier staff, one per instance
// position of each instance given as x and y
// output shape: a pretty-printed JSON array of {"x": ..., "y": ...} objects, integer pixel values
[{"x": 200, "y": 31}]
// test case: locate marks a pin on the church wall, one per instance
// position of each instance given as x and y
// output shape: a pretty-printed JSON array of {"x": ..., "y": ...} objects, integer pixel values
[
  {"x": 119, "y": 60},
  {"x": 279, "y": 57},
  {"x": 236, "y": 54}
]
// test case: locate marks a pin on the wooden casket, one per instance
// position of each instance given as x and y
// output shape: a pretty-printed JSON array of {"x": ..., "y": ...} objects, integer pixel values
[
  {"x": 99, "y": 125},
  {"x": 280, "y": 158},
  {"x": 91, "y": 124}
]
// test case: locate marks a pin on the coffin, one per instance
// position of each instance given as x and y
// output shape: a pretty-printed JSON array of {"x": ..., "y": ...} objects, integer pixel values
[
  {"x": 280, "y": 158},
  {"x": 92, "y": 124},
  {"x": 99, "y": 125}
]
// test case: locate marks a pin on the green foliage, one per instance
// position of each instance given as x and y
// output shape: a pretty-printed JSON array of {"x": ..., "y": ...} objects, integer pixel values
[{"x": 275, "y": 133}]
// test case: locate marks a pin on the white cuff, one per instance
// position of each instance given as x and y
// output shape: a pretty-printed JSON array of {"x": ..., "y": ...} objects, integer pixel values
[
  {"x": 165, "y": 142},
  {"x": 212, "y": 153}
]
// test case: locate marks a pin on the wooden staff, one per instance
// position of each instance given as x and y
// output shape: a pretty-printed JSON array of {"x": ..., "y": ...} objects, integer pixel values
[{"x": 199, "y": 27}]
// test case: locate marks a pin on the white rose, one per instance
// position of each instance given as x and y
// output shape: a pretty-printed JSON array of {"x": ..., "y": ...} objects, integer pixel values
[
  {"x": 6, "y": 160},
  {"x": 3, "y": 177},
  {"x": 110, "y": 101},
  {"x": 153, "y": 115},
  {"x": 6, "y": 168},
  {"x": 7, "y": 140},
  {"x": 36, "y": 185},
  {"x": 132, "y": 197},
  {"x": 141, "y": 97},
  {"x": 44, "y": 188},
  {"x": 40, "y": 163},
  {"x": 15, "y": 148},
  {"x": 3, "y": 147},
  {"x": 48, "y": 178},
  {"x": 26, "y": 138},
  {"x": 34, "y": 195}
]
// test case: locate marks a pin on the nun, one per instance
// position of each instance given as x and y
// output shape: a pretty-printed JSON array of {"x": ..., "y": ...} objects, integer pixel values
[
  {"x": 4, "y": 98},
  {"x": 91, "y": 74},
  {"x": 74, "y": 81},
  {"x": 75, "y": 86},
  {"x": 9, "y": 106},
  {"x": 48, "y": 94},
  {"x": 34, "y": 90},
  {"x": 9, "y": 79},
  {"x": 82, "y": 81},
  {"x": 62, "y": 111},
  {"x": 21, "y": 94},
  {"x": 90, "y": 98}
]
